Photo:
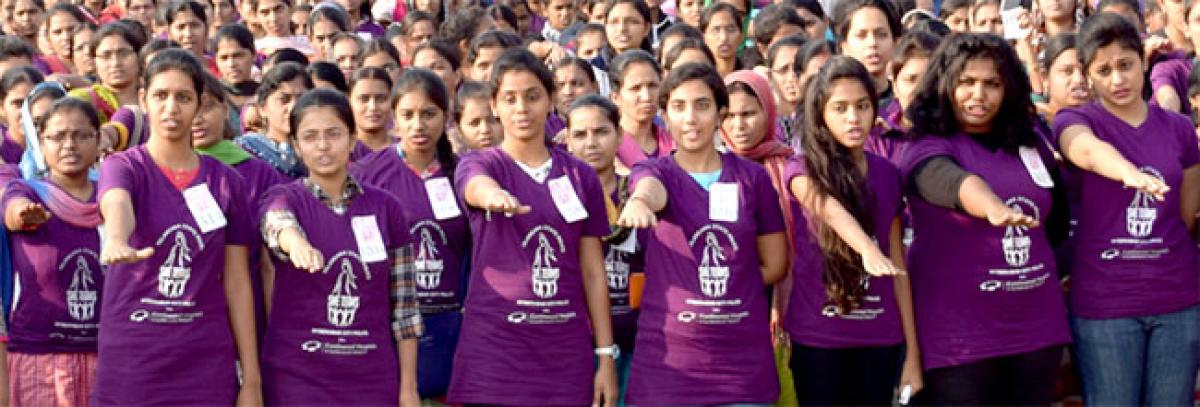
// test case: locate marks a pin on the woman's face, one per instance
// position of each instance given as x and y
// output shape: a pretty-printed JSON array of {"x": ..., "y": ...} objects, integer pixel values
[
  {"x": 959, "y": 20},
  {"x": 142, "y": 11},
  {"x": 420, "y": 123},
  {"x": 431, "y": 60},
  {"x": 815, "y": 26},
  {"x": 171, "y": 104},
  {"x": 692, "y": 116},
  {"x": 59, "y": 28},
  {"x": 26, "y": 17},
  {"x": 638, "y": 95},
  {"x": 299, "y": 21},
  {"x": 848, "y": 113},
  {"x": 593, "y": 137},
  {"x": 870, "y": 40},
  {"x": 598, "y": 13},
  {"x": 189, "y": 31},
  {"x": 70, "y": 143},
  {"x": 1066, "y": 83},
  {"x": 978, "y": 95},
  {"x": 385, "y": 62},
  {"x": 571, "y": 83},
  {"x": 81, "y": 53},
  {"x": 689, "y": 11},
  {"x": 723, "y": 36},
  {"x": 811, "y": 68},
  {"x": 783, "y": 75},
  {"x": 625, "y": 28},
  {"x": 323, "y": 141},
  {"x": 275, "y": 17},
  {"x": 478, "y": 126},
  {"x": 279, "y": 105},
  {"x": 745, "y": 122},
  {"x": 320, "y": 35},
  {"x": 345, "y": 55},
  {"x": 1116, "y": 75},
  {"x": 12, "y": 105},
  {"x": 222, "y": 13},
  {"x": 234, "y": 62},
  {"x": 208, "y": 128},
  {"x": 522, "y": 103},
  {"x": 117, "y": 62},
  {"x": 420, "y": 34},
  {"x": 904, "y": 84},
  {"x": 1056, "y": 10},
  {"x": 370, "y": 100},
  {"x": 986, "y": 19}
]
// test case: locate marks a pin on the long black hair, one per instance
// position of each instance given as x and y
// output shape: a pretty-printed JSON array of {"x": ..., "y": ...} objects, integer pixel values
[
  {"x": 835, "y": 174},
  {"x": 426, "y": 82},
  {"x": 932, "y": 108}
]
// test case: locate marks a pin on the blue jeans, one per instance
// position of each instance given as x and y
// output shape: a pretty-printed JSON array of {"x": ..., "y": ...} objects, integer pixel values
[{"x": 1139, "y": 361}]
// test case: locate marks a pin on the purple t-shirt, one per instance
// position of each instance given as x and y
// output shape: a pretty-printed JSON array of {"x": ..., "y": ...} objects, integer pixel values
[
  {"x": 981, "y": 291},
  {"x": 329, "y": 330},
  {"x": 10, "y": 151},
  {"x": 439, "y": 246},
  {"x": 58, "y": 277},
  {"x": 526, "y": 335},
  {"x": 259, "y": 177},
  {"x": 622, "y": 259},
  {"x": 703, "y": 335},
  {"x": 1174, "y": 73},
  {"x": 1133, "y": 255},
  {"x": 167, "y": 314},
  {"x": 812, "y": 319}
]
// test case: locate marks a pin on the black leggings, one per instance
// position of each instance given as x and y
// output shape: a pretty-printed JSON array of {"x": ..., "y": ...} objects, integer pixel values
[
  {"x": 1025, "y": 379},
  {"x": 849, "y": 376}
]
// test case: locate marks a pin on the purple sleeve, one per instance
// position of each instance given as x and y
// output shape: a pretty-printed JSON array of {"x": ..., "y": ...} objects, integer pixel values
[
  {"x": 397, "y": 224},
  {"x": 117, "y": 172},
  {"x": 16, "y": 189},
  {"x": 275, "y": 198},
  {"x": 1173, "y": 73},
  {"x": 471, "y": 166},
  {"x": 240, "y": 226},
  {"x": 923, "y": 149},
  {"x": 593, "y": 200},
  {"x": 1189, "y": 150},
  {"x": 768, "y": 215},
  {"x": 795, "y": 168},
  {"x": 645, "y": 168},
  {"x": 1066, "y": 118}
]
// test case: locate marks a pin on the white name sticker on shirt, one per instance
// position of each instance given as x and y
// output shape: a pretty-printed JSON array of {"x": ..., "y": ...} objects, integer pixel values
[
  {"x": 441, "y": 198},
  {"x": 370, "y": 242},
  {"x": 630, "y": 243},
  {"x": 723, "y": 202},
  {"x": 1035, "y": 166},
  {"x": 204, "y": 208},
  {"x": 565, "y": 199}
]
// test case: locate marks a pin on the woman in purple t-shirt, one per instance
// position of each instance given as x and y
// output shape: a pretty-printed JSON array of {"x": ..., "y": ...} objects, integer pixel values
[
  {"x": 55, "y": 255},
  {"x": 537, "y": 277},
  {"x": 715, "y": 242},
  {"x": 1135, "y": 285},
  {"x": 417, "y": 169},
  {"x": 850, "y": 316},
  {"x": 987, "y": 204},
  {"x": 342, "y": 293},
  {"x": 178, "y": 313}
]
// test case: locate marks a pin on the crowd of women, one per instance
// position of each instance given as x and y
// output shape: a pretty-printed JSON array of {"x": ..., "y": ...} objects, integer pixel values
[{"x": 604, "y": 202}]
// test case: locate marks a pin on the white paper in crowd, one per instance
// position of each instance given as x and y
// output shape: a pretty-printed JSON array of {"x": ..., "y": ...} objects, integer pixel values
[
  {"x": 441, "y": 198},
  {"x": 1036, "y": 167},
  {"x": 723, "y": 202},
  {"x": 370, "y": 242},
  {"x": 1010, "y": 16},
  {"x": 204, "y": 208},
  {"x": 565, "y": 199}
]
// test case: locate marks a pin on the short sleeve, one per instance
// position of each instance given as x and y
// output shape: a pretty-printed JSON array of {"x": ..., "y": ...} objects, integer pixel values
[
  {"x": 768, "y": 215},
  {"x": 397, "y": 223},
  {"x": 472, "y": 165},
  {"x": 240, "y": 225},
  {"x": 1189, "y": 149},
  {"x": 118, "y": 172},
  {"x": 795, "y": 168},
  {"x": 596, "y": 224},
  {"x": 648, "y": 168},
  {"x": 16, "y": 189},
  {"x": 923, "y": 149},
  {"x": 1066, "y": 118},
  {"x": 1171, "y": 73}
]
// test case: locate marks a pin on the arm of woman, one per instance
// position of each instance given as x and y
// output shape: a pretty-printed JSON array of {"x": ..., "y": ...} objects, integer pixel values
[
  {"x": 910, "y": 374},
  {"x": 116, "y": 208},
  {"x": 772, "y": 255},
  {"x": 595, "y": 287},
  {"x": 649, "y": 196},
  {"x": 836, "y": 217},
  {"x": 267, "y": 270},
  {"x": 240, "y": 300},
  {"x": 1168, "y": 99},
  {"x": 21, "y": 214},
  {"x": 979, "y": 201},
  {"x": 1189, "y": 196},
  {"x": 1081, "y": 146},
  {"x": 485, "y": 193}
]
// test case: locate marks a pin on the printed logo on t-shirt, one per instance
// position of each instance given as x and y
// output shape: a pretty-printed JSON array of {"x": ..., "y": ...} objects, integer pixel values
[
  {"x": 341, "y": 307},
  {"x": 547, "y": 247},
  {"x": 617, "y": 268},
  {"x": 1143, "y": 210},
  {"x": 176, "y": 269},
  {"x": 428, "y": 262},
  {"x": 713, "y": 269},
  {"x": 1016, "y": 242},
  {"x": 81, "y": 293}
]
